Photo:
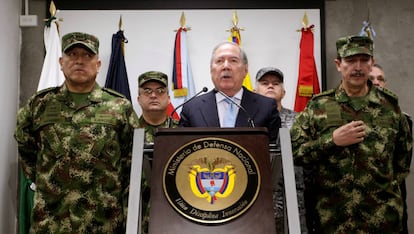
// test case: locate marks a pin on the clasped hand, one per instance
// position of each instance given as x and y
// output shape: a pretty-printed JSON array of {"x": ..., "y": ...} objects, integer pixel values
[{"x": 350, "y": 133}]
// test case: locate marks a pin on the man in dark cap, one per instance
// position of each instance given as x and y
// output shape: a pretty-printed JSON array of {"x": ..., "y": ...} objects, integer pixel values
[
  {"x": 359, "y": 144},
  {"x": 269, "y": 83},
  {"x": 154, "y": 99},
  {"x": 75, "y": 143}
]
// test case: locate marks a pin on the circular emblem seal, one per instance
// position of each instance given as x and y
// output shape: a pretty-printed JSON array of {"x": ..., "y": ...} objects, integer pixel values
[{"x": 211, "y": 180}]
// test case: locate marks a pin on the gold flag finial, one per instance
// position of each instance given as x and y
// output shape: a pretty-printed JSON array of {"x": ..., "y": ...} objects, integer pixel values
[
  {"x": 182, "y": 20},
  {"x": 235, "y": 19},
  {"x": 52, "y": 9},
  {"x": 120, "y": 23},
  {"x": 305, "y": 23},
  {"x": 305, "y": 20}
]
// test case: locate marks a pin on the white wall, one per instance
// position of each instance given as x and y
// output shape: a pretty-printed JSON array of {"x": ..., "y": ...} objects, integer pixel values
[
  {"x": 9, "y": 73},
  {"x": 269, "y": 39}
]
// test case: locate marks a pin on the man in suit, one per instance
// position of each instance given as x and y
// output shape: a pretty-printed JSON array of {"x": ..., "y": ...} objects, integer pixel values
[{"x": 228, "y": 68}]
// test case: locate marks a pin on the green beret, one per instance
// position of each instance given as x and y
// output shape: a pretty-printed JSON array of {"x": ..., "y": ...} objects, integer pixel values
[
  {"x": 83, "y": 39},
  {"x": 352, "y": 45},
  {"x": 153, "y": 76}
]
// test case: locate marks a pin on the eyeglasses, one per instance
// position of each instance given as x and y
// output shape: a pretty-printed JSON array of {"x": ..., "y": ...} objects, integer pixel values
[{"x": 157, "y": 91}]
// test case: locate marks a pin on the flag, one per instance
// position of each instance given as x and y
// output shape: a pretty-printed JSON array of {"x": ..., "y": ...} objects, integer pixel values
[
  {"x": 50, "y": 76},
  {"x": 117, "y": 78},
  {"x": 236, "y": 38},
  {"x": 25, "y": 203},
  {"x": 367, "y": 30},
  {"x": 182, "y": 78},
  {"x": 308, "y": 82}
]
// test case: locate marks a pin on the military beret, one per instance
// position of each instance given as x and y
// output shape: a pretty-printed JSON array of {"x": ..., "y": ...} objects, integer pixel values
[
  {"x": 153, "y": 76},
  {"x": 352, "y": 45},
  {"x": 78, "y": 38}
]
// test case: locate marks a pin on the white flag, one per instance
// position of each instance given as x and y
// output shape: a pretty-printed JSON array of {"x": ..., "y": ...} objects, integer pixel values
[{"x": 51, "y": 75}]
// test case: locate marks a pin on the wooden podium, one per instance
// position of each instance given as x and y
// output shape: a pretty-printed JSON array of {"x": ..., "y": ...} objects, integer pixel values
[{"x": 211, "y": 180}]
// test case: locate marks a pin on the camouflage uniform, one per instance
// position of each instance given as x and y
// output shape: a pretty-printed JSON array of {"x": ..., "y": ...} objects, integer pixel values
[
  {"x": 356, "y": 187},
  {"x": 151, "y": 129},
  {"x": 145, "y": 187},
  {"x": 79, "y": 158}
]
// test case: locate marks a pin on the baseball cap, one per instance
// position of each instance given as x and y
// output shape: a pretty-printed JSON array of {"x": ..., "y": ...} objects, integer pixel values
[
  {"x": 269, "y": 70},
  {"x": 153, "y": 76},
  {"x": 352, "y": 45},
  {"x": 78, "y": 38}
]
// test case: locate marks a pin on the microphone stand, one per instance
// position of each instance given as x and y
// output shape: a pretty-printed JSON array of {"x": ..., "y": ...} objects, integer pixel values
[{"x": 205, "y": 89}]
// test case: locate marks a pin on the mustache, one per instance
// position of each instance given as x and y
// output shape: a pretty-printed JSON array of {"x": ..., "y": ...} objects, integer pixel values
[{"x": 358, "y": 74}]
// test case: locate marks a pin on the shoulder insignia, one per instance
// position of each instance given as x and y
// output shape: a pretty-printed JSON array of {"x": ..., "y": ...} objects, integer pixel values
[
  {"x": 388, "y": 93},
  {"x": 46, "y": 90},
  {"x": 325, "y": 93},
  {"x": 113, "y": 92}
]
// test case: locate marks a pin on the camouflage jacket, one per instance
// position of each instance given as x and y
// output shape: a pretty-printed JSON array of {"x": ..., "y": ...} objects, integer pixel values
[
  {"x": 356, "y": 188},
  {"x": 79, "y": 158},
  {"x": 151, "y": 129}
]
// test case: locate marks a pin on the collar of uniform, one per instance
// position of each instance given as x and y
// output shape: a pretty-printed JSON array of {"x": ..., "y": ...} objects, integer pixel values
[
  {"x": 95, "y": 95},
  {"x": 372, "y": 95},
  {"x": 144, "y": 124}
]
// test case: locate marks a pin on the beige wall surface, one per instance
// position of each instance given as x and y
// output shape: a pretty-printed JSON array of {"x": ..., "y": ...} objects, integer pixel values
[
  {"x": 393, "y": 50},
  {"x": 9, "y": 73}
]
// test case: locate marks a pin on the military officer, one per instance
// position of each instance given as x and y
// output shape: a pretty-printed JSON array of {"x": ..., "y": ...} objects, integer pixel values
[
  {"x": 75, "y": 143},
  {"x": 358, "y": 143}
]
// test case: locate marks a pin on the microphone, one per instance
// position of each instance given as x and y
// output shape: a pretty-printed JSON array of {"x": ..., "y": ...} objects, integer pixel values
[
  {"x": 249, "y": 118},
  {"x": 205, "y": 89}
]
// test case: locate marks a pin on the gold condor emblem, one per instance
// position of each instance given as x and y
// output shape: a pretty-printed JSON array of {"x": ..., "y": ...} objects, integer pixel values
[
  {"x": 211, "y": 180},
  {"x": 212, "y": 183}
]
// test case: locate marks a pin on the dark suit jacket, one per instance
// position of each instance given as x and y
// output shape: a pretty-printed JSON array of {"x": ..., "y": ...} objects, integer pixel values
[{"x": 202, "y": 112}]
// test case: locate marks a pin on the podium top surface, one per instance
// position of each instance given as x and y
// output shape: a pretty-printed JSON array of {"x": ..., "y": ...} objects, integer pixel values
[{"x": 211, "y": 130}]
